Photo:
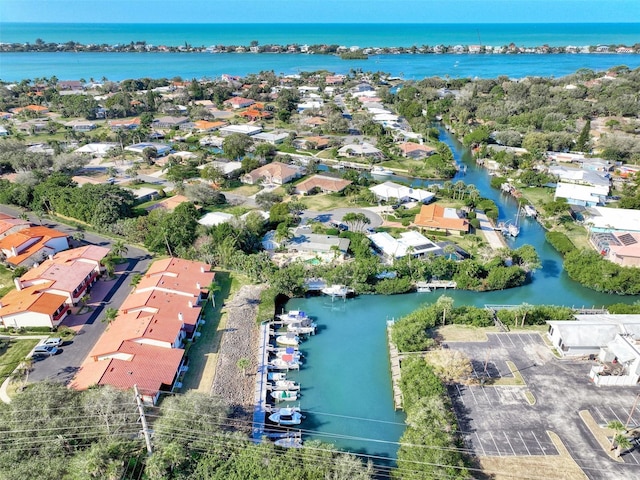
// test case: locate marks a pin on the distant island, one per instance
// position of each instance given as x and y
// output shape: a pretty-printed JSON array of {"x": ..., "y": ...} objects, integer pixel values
[{"x": 347, "y": 52}]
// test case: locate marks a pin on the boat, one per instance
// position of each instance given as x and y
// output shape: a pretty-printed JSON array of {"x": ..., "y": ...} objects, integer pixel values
[
  {"x": 288, "y": 339},
  {"x": 294, "y": 316},
  {"x": 423, "y": 287},
  {"x": 276, "y": 376},
  {"x": 513, "y": 230},
  {"x": 289, "y": 442},
  {"x": 530, "y": 211},
  {"x": 284, "y": 395},
  {"x": 283, "y": 385},
  {"x": 381, "y": 171},
  {"x": 286, "y": 416},
  {"x": 301, "y": 329},
  {"x": 337, "y": 291},
  {"x": 286, "y": 362},
  {"x": 288, "y": 352}
]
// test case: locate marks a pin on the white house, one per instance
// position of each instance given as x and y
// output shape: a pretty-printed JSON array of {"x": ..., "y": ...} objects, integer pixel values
[
  {"x": 410, "y": 243},
  {"x": 246, "y": 129},
  {"x": 392, "y": 191},
  {"x": 215, "y": 218},
  {"x": 584, "y": 195},
  {"x": 363, "y": 149},
  {"x": 605, "y": 219}
]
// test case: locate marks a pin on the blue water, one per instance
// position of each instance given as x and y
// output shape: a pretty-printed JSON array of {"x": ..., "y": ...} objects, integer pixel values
[
  {"x": 119, "y": 66},
  {"x": 349, "y": 34}
]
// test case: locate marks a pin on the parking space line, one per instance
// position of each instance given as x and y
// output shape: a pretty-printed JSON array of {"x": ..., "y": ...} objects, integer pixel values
[
  {"x": 487, "y": 397},
  {"x": 602, "y": 417},
  {"x": 615, "y": 415},
  {"x": 494, "y": 442},
  {"x": 509, "y": 442},
  {"x": 460, "y": 394},
  {"x": 481, "y": 446},
  {"x": 500, "y": 340},
  {"x": 524, "y": 443},
  {"x": 523, "y": 343},
  {"x": 538, "y": 442},
  {"x": 633, "y": 456},
  {"x": 473, "y": 395}
]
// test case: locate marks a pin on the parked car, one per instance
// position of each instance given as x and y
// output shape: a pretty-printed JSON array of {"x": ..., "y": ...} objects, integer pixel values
[
  {"x": 52, "y": 342},
  {"x": 44, "y": 351}
]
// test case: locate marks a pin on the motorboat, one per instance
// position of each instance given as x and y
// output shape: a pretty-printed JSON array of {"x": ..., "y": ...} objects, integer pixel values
[
  {"x": 530, "y": 211},
  {"x": 381, "y": 171},
  {"x": 293, "y": 316},
  {"x": 288, "y": 352},
  {"x": 284, "y": 395},
  {"x": 286, "y": 416},
  {"x": 288, "y": 339},
  {"x": 337, "y": 290},
  {"x": 301, "y": 329},
  {"x": 286, "y": 362},
  {"x": 289, "y": 442},
  {"x": 276, "y": 376},
  {"x": 279, "y": 351},
  {"x": 423, "y": 287},
  {"x": 283, "y": 385}
]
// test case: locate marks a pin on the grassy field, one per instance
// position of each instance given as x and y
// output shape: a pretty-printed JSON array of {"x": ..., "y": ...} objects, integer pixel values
[
  {"x": 12, "y": 354},
  {"x": 203, "y": 354},
  {"x": 322, "y": 202},
  {"x": 6, "y": 281},
  {"x": 246, "y": 190},
  {"x": 462, "y": 333}
]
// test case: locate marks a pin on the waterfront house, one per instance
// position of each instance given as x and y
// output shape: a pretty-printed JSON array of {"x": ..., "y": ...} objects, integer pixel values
[
  {"x": 622, "y": 248},
  {"x": 606, "y": 219},
  {"x": 305, "y": 241},
  {"x": 580, "y": 176},
  {"x": 311, "y": 143},
  {"x": 363, "y": 149},
  {"x": 415, "y": 151},
  {"x": 583, "y": 195},
  {"x": 410, "y": 243},
  {"x": 275, "y": 173},
  {"x": 390, "y": 191},
  {"x": 244, "y": 129},
  {"x": 323, "y": 183},
  {"x": 442, "y": 219}
]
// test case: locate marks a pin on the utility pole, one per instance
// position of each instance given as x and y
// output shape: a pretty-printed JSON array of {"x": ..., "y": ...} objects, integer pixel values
[
  {"x": 633, "y": 409},
  {"x": 143, "y": 420}
]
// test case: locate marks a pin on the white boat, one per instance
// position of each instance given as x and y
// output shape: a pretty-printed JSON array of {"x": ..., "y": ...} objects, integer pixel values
[
  {"x": 288, "y": 352},
  {"x": 284, "y": 395},
  {"x": 288, "y": 339},
  {"x": 381, "y": 171},
  {"x": 301, "y": 329},
  {"x": 289, "y": 442},
  {"x": 513, "y": 230},
  {"x": 276, "y": 376},
  {"x": 337, "y": 291},
  {"x": 293, "y": 316},
  {"x": 286, "y": 362},
  {"x": 422, "y": 287},
  {"x": 286, "y": 416},
  {"x": 283, "y": 385},
  {"x": 530, "y": 211}
]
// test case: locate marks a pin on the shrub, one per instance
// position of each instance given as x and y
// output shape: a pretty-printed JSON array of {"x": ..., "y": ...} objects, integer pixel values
[{"x": 560, "y": 242}]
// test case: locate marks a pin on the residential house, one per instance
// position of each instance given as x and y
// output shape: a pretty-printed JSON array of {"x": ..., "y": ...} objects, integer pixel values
[
  {"x": 73, "y": 85},
  {"x": 410, "y": 243},
  {"x": 125, "y": 123},
  {"x": 238, "y": 102},
  {"x": 32, "y": 307},
  {"x": 37, "y": 109},
  {"x": 32, "y": 245},
  {"x": 605, "y": 219},
  {"x": 322, "y": 183},
  {"x": 271, "y": 137},
  {"x": 443, "y": 219},
  {"x": 70, "y": 273},
  {"x": 204, "y": 126},
  {"x": 415, "y": 151},
  {"x": 390, "y": 191},
  {"x": 168, "y": 204},
  {"x": 215, "y": 218},
  {"x": 161, "y": 149},
  {"x": 244, "y": 129},
  {"x": 9, "y": 225},
  {"x": 314, "y": 121},
  {"x": 275, "y": 173},
  {"x": 96, "y": 150},
  {"x": 311, "y": 143},
  {"x": 583, "y": 195},
  {"x": 81, "y": 125},
  {"x": 363, "y": 149},
  {"x": 305, "y": 241},
  {"x": 580, "y": 176},
  {"x": 622, "y": 248},
  {"x": 169, "y": 122}
]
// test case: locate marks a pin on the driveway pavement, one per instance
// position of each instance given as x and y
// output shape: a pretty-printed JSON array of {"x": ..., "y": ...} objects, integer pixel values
[{"x": 498, "y": 420}]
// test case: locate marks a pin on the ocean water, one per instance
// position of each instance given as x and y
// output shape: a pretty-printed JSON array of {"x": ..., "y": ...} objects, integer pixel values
[
  {"x": 120, "y": 66},
  {"x": 349, "y": 34}
]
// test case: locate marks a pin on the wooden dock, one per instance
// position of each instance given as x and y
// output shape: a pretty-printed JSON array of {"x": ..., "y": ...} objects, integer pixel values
[
  {"x": 435, "y": 284},
  {"x": 394, "y": 359}
]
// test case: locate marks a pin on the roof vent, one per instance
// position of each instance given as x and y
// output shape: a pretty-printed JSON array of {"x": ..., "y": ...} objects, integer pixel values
[{"x": 180, "y": 317}]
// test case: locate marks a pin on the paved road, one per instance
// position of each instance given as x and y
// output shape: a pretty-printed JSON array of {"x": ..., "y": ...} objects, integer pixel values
[
  {"x": 104, "y": 294},
  {"x": 495, "y": 240}
]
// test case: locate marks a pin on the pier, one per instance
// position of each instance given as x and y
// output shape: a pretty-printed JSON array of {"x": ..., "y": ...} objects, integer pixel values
[
  {"x": 435, "y": 284},
  {"x": 394, "y": 359},
  {"x": 495, "y": 241},
  {"x": 260, "y": 394}
]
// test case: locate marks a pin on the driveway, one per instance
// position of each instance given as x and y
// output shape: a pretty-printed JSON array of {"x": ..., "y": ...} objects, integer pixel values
[{"x": 499, "y": 421}]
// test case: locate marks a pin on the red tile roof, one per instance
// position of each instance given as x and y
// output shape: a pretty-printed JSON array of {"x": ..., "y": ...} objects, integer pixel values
[
  {"x": 31, "y": 299},
  {"x": 432, "y": 216}
]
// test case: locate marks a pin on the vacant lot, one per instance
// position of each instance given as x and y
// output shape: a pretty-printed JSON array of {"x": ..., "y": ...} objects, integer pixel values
[{"x": 12, "y": 352}]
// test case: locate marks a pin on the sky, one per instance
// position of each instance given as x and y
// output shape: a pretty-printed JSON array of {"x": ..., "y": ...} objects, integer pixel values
[{"x": 320, "y": 11}]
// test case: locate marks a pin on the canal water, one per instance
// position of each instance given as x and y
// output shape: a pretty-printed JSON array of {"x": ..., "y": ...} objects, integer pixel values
[{"x": 346, "y": 379}]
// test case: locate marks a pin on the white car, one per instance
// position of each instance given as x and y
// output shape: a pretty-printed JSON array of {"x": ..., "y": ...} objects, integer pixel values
[
  {"x": 52, "y": 342},
  {"x": 44, "y": 351}
]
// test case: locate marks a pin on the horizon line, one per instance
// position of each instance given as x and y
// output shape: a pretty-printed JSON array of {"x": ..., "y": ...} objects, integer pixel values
[{"x": 324, "y": 23}]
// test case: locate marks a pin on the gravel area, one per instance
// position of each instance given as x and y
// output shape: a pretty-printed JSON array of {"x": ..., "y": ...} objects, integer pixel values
[{"x": 239, "y": 340}]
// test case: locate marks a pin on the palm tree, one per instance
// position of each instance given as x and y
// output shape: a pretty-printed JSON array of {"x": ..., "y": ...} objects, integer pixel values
[
  {"x": 622, "y": 444},
  {"x": 118, "y": 248},
  {"x": 110, "y": 314}
]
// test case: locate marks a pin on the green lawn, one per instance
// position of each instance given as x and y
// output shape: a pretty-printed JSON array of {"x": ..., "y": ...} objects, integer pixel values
[
  {"x": 203, "y": 356},
  {"x": 6, "y": 281},
  {"x": 12, "y": 354}
]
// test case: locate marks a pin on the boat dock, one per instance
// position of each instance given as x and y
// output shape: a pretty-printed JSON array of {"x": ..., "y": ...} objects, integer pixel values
[
  {"x": 435, "y": 284},
  {"x": 495, "y": 241},
  {"x": 260, "y": 394},
  {"x": 394, "y": 359}
]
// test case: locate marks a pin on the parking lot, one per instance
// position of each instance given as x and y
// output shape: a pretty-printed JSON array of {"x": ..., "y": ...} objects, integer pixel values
[{"x": 498, "y": 420}]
